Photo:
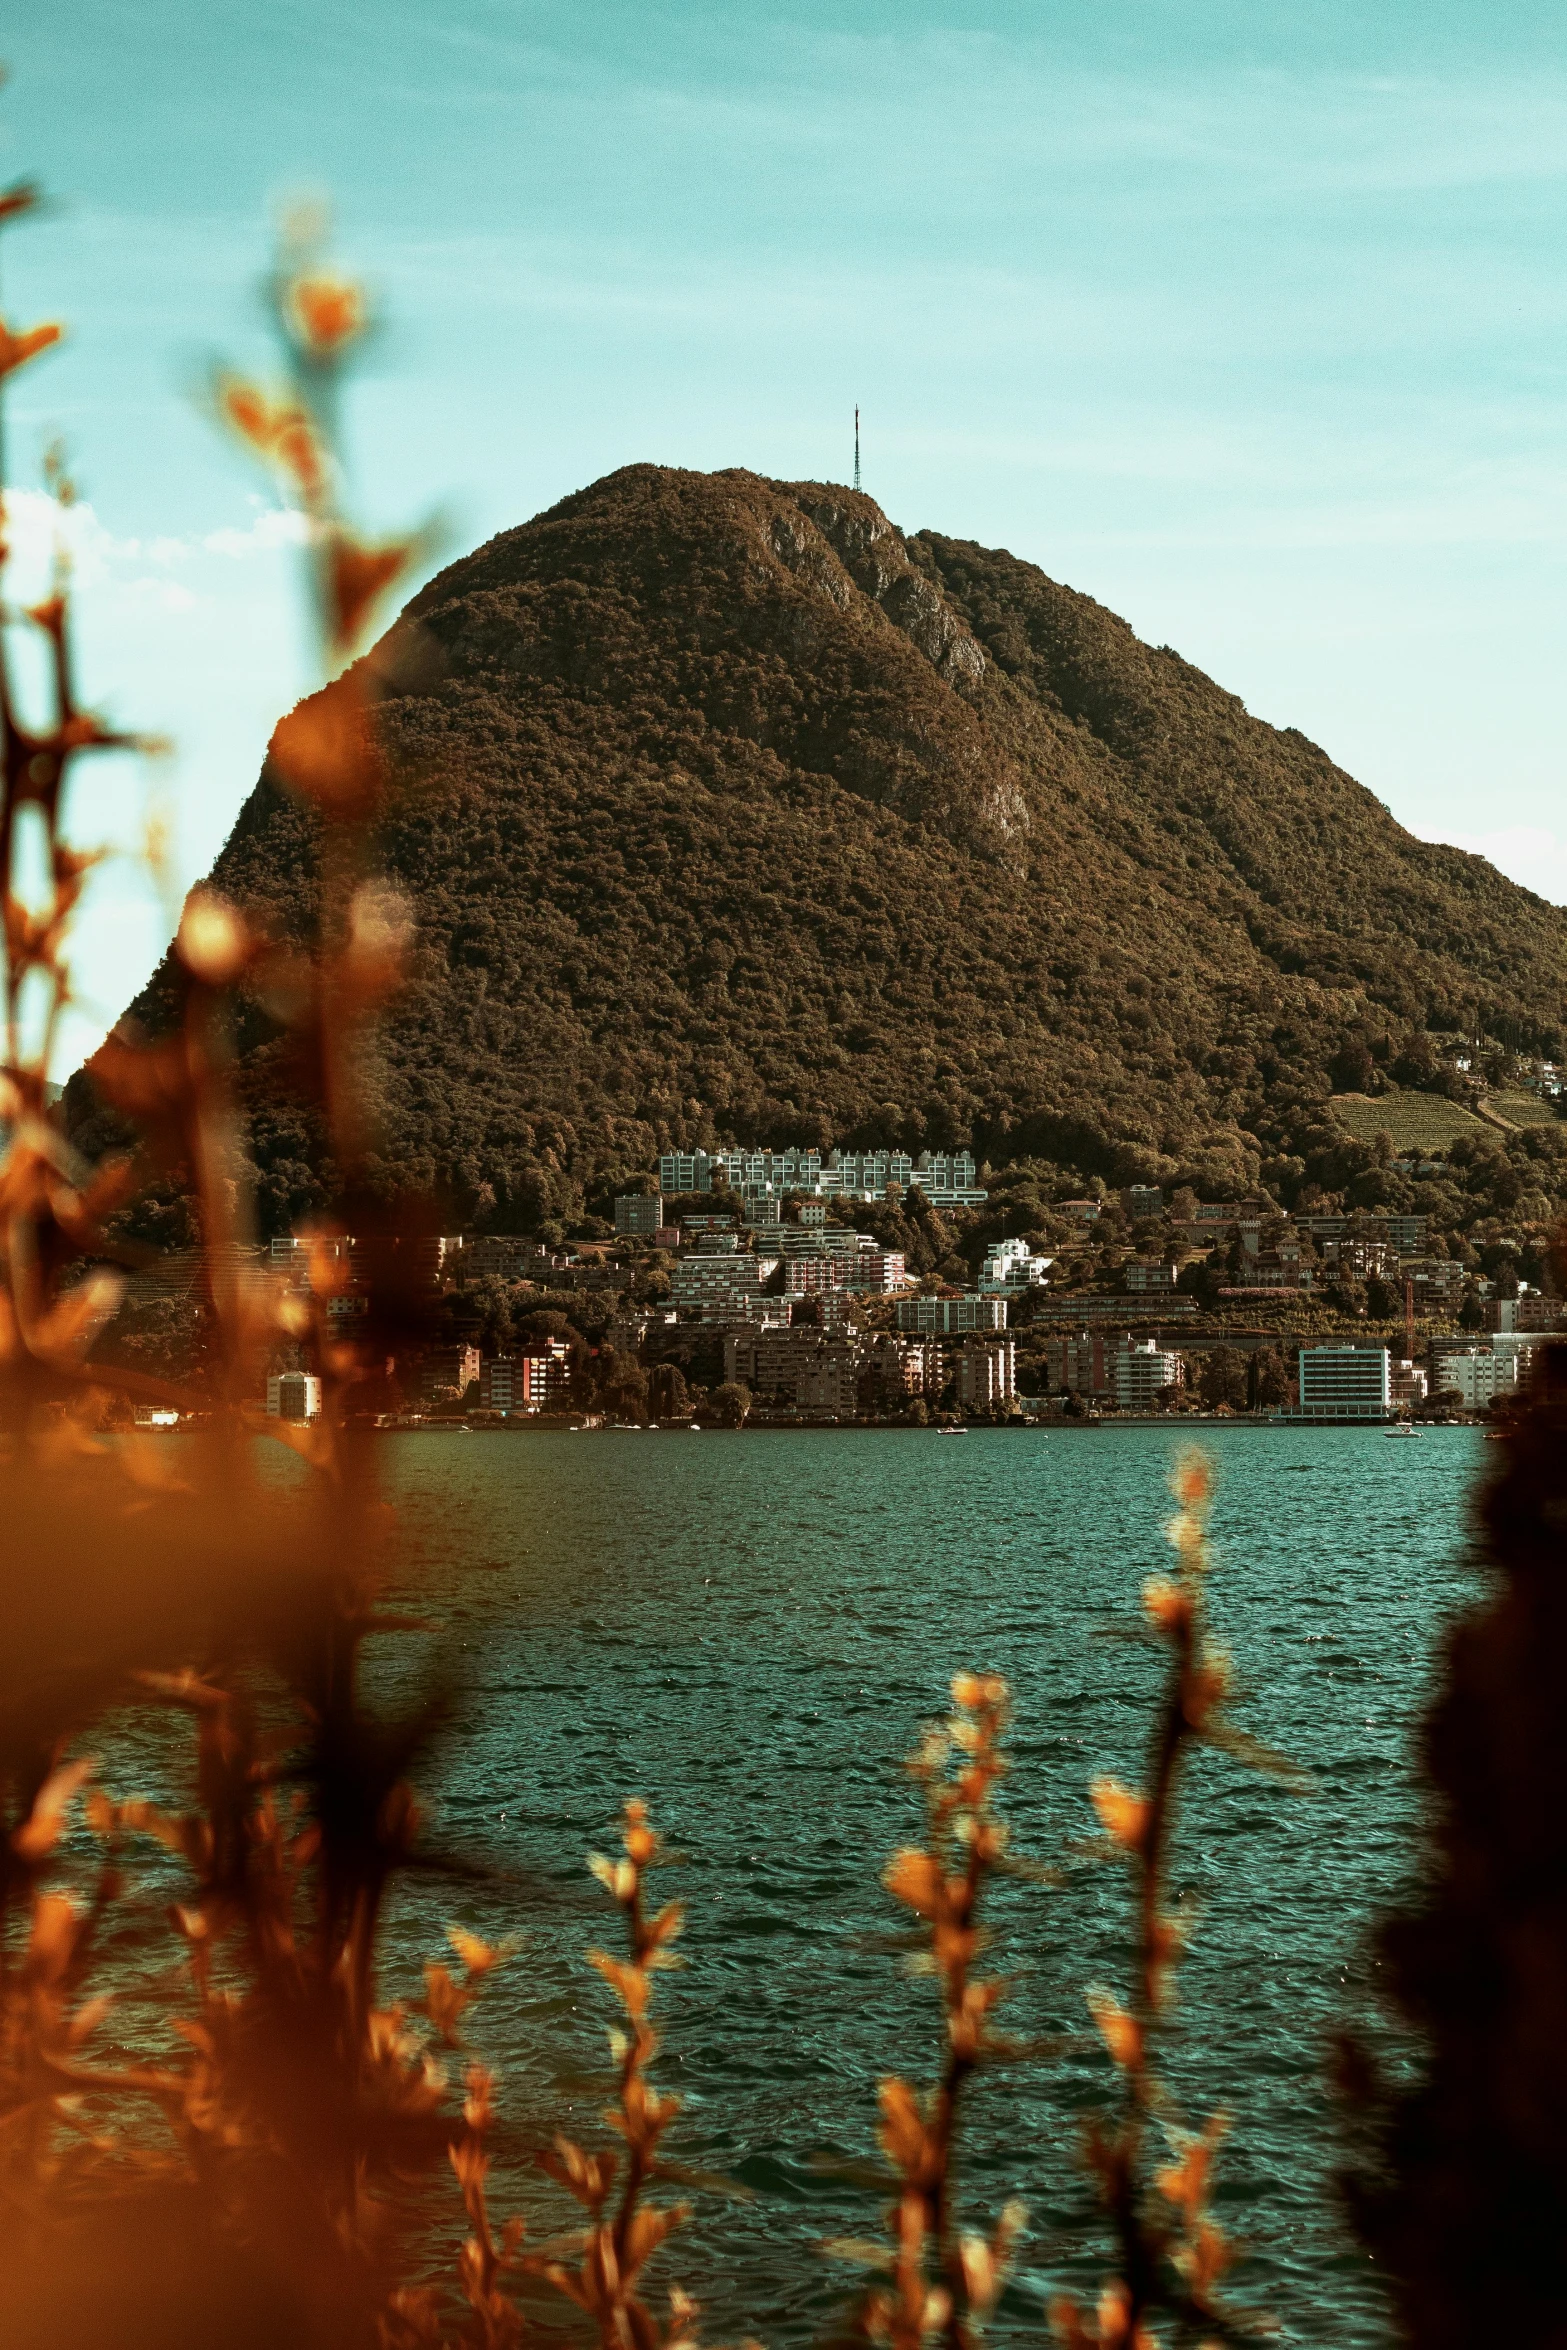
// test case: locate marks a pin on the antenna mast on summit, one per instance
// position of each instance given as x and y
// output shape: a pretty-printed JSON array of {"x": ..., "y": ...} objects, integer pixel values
[{"x": 856, "y": 448}]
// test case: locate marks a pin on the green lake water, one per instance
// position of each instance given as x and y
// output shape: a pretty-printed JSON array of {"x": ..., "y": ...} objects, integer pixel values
[{"x": 748, "y": 1630}]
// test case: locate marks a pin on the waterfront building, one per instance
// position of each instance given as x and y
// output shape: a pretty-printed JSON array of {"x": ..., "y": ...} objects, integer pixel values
[
  {"x": 640, "y": 1212},
  {"x": 293, "y": 1395},
  {"x": 1478, "y": 1375},
  {"x": 1140, "y": 1371},
  {"x": 948, "y": 1316},
  {"x": 986, "y": 1373},
  {"x": 1344, "y": 1383},
  {"x": 542, "y": 1378},
  {"x": 499, "y": 1385},
  {"x": 888, "y": 1375},
  {"x": 802, "y": 1368},
  {"x": 448, "y": 1371},
  {"x": 1079, "y": 1363}
]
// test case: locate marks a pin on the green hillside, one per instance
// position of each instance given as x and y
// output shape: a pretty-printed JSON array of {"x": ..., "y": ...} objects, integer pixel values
[{"x": 729, "y": 812}]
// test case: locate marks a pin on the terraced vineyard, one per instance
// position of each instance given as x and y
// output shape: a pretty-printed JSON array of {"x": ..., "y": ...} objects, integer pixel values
[
  {"x": 1523, "y": 1109},
  {"x": 1416, "y": 1121}
]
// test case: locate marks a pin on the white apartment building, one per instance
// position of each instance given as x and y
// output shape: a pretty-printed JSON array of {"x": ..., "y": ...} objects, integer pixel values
[
  {"x": 1478, "y": 1375},
  {"x": 1011, "y": 1266},
  {"x": 1138, "y": 1371},
  {"x": 1483, "y": 1369},
  {"x": 1345, "y": 1383}
]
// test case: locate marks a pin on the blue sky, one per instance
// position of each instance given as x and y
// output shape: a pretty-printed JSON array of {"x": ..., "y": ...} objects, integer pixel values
[{"x": 1251, "y": 322}]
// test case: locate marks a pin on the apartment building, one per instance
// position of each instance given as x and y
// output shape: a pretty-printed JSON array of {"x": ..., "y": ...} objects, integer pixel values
[
  {"x": 948, "y": 1317},
  {"x": 712, "y": 1288},
  {"x": 1437, "y": 1281},
  {"x": 946, "y": 1178},
  {"x": 1141, "y": 1274},
  {"x": 639, "y": 1212},
  {"x": 1477, "y": 1375},
  {"x": 1141, "y": 1200},
  {"x": 986, "y": 1371},
  {"x": 293, "y": 1395},
  {"x": 1527, "y": 1311},
  {"x": 1360, "y": 1259},
  {"x": 1012, "y": 1267},
  {"x": 1079, "y": 1363},
  {"x": 1140, "y": 1372},
  {"x": 448, "y": 1371},
  {"x": 806, "y": 1369},
  {"x": 1406, "y": 1233}
]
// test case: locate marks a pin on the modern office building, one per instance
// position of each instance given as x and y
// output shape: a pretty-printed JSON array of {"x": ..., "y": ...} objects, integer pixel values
[{"x": 1344, "y": 1383}]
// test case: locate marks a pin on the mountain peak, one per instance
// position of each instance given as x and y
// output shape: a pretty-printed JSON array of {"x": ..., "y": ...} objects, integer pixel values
[{"x": 731, "y": 811}]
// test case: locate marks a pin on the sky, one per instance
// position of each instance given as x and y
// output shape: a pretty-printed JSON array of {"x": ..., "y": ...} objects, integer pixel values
[{"x": 1249, "y": 321}]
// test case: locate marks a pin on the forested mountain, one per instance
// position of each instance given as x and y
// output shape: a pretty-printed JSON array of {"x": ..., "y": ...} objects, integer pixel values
[{"x": 728, "y": 811}]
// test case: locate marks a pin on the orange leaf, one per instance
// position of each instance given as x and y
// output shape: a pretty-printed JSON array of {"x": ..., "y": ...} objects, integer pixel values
[
  {"x": 326, "y": 313},
  {"x": 324, "y": 751},
  {"x": 1120, "y": 2032},
  {"x": 40, "y": 1831},
  {"x": 357, "y": 575},
  {"x": 17, "y": 349},
  {"x": 915, "y": 1877},
  {"x": 1123, "y": 1815}
]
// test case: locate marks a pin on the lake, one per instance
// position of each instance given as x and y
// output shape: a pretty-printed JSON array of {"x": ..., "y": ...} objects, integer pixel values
[{"x": 748, "y": 1630}]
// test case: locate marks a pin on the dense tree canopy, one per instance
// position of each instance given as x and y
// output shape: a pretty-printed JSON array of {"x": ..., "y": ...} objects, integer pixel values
[{"x": 726, "y": 811}]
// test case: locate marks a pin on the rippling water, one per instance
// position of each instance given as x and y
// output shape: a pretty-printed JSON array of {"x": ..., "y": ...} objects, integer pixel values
[{"x": 748, "y": 1632}]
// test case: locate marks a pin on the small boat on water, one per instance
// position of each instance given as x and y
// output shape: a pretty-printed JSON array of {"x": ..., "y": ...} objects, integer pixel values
[{"x": 1404, "y": 1428}]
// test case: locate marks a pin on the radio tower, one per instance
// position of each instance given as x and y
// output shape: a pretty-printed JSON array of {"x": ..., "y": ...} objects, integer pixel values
[{"x": 856, "y": 447}]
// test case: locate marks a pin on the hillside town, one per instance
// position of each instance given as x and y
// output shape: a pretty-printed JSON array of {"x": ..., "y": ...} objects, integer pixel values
[{"x": 797, "y": 1288}]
